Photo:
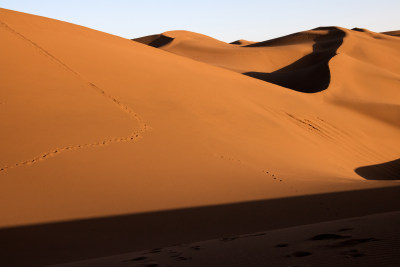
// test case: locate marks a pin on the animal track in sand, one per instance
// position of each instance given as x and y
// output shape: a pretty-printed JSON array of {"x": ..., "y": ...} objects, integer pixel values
[
  {"x": 272, "y": 175},
  {"x": 230, "y": 159},
  {"x": 136, "y": 135},
  {"x": 342, "y": 139}
]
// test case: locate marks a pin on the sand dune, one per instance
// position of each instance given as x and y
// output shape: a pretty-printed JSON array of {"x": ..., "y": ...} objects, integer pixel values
[
  {"x": 95, "y": 125},
  {"x": 392, "y": 33},
  {"x": 306, "y": 54},
  {"x": 242, "y": 42},
  {"x": 221, "y": 54}
]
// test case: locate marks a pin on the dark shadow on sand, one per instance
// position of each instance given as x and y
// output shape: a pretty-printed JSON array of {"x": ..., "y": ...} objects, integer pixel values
[
  {"x": 38, "y": 245},
  {"x": 237, "y": 42},
  {"x": 311, "y": 73},
  {"x": 157, "y": 40},
  {"x": 384, "y": 171}
]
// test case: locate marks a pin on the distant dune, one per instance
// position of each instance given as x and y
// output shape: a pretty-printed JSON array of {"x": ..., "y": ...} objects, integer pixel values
[
  {"x": 305, "y": 55},
  {"x": 94, "y": 125},
  {"x": 393, "y": 33},
  {"x": 242, "y": 42}
]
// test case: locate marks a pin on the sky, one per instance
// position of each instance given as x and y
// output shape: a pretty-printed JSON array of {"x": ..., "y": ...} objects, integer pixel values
[{"x": 226, "y": 20}]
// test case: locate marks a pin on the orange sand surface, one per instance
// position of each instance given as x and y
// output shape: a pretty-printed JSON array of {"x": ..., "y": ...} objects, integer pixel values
[{"x": 94, "y": 124}]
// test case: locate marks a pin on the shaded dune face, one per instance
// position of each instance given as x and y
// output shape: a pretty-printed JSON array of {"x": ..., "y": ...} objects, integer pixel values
[
  {"x": 242, "y": 42},
  {"x": 157, "y": 40},
  {"x": 311, "y": 73},
  {"x": 384, "y": 171},
  {"x": 392, "y": 33},
  {"x": 291, "y": 39}
]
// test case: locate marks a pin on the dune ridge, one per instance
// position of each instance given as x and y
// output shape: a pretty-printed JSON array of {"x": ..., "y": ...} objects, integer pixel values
[
  {"x": 307, "y": 73},
  {"x": 242, "y": 42},
  {"x": 392, "y": 33}
]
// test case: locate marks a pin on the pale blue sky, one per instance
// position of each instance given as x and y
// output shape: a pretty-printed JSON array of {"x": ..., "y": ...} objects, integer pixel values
[{"x": 226, "y": 20}]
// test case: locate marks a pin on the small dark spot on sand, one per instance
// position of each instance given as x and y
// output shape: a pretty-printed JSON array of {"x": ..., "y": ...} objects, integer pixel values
[
  {"x": 299, "y": 254},
  {"x": 283, "y": 245},
  {"x": 345, "y": 229},
  {"x": 227, "y": 239},
  {"x": 152, "y": 265},
  {"x": 155, "y": 250},
  {"x": 329, "y": 237},
  {"x": 184, "y": 258}
]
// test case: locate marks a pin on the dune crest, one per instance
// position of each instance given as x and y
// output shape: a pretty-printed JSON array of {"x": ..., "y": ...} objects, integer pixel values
[
  {"x": 242, "y": 42},
  {"x": 307, "y": 55}
]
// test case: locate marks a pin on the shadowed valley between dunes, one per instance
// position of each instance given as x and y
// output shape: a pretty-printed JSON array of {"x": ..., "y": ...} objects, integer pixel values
[{"x": 309, "y": 74}]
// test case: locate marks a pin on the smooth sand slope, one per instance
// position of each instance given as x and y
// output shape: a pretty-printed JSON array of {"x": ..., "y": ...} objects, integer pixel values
[{"x": 94, "y": 125}]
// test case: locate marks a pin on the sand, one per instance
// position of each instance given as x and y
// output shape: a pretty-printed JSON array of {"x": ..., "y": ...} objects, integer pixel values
[
  {"x": 98, "y": 126},
  {"x": 357, "y": 241}
]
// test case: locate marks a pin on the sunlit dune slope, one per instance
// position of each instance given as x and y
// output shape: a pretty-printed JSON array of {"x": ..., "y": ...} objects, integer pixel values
[
  {"x": 96, "y": 125},
  {"x": 229, "y": 56}
]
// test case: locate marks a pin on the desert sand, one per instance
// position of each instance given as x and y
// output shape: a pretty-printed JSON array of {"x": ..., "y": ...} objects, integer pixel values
[
  {"x": 358, "y": 241},
  {"x": 160, "y": 136}
]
